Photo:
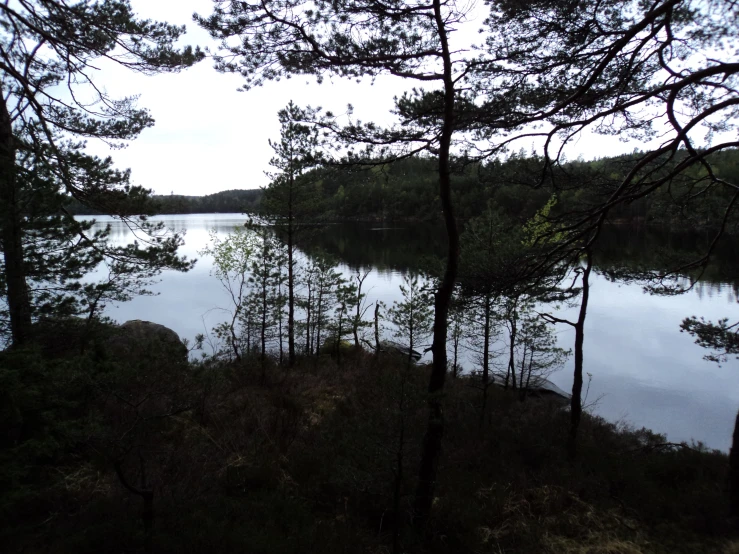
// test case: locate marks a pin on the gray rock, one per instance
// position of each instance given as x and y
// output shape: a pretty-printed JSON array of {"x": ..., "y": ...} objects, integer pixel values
[{"x": 138, "y": 340}]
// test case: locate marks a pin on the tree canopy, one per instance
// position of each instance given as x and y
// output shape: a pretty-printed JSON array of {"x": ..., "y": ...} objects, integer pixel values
[{"x": 50, "y": 106}]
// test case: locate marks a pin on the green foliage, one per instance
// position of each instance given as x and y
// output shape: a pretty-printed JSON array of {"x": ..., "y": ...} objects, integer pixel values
[
  {"x": 720, "y": 337},
  {"x": 232, "y": 258},
  {"x": 412, "y": 316},
  {"x": 539, "y": 228},
  {"x": 536, "y": 351},
  {"x": 230, "y": 255},
  {"x": 50, "y": 106},
  {"x": 292, "y": 200},
  {"x": 324, "y": 302}
]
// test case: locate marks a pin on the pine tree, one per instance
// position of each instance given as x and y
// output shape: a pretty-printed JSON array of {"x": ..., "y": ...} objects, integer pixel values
[
  {"x": 49, "y": 49},
  {"x": 288, "y": 201},
  {"x": 412, "y": 316}
]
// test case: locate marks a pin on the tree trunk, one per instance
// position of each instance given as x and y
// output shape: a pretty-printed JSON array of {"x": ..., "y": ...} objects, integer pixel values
[
  {"x": 319, "y": 320},
  {"x": 734, "y": 471},
  {"x": 409, "y": 361},
  {"x": 308, "y": 350},
  {"x": 485, "y": 360},
  {"x": 263, "y": 330},
  {"x": 525, "y": 389},
  {"x": 523, "y": 373},
  {"x": 265, "y": 291},
  {"x": 290, "y": 286},
  {"x": 18, "y": 298},
  {"x": 280, "y": 315},
  {"x": 455, "y": 364},
  {"x": 576, "y": 403},
  {"x": 511, "y": 355},
  {"x": 358, "y": 313},
  {"x": 377, "y": 328},
  {"x": 431, "y": 449},
  {"x": 338, "y": 335}
]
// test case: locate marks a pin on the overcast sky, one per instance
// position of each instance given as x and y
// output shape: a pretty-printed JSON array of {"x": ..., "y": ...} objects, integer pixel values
[{"x": 209, "y": 137}]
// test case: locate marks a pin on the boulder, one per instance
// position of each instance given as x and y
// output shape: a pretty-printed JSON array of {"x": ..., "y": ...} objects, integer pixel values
[{"x": 138, "y": 340}]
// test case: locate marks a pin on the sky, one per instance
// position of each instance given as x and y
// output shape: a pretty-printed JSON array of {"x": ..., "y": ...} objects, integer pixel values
[{"x": 209, "y": 137}]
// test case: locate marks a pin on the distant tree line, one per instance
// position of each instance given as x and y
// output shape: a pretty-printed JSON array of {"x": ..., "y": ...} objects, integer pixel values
[
  {"x": 227, "y": 201},
  {"x": 404, "y": 191}
]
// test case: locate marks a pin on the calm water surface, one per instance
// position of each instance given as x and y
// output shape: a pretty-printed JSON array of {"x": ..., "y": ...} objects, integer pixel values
[{"x": 645, "y": 371}]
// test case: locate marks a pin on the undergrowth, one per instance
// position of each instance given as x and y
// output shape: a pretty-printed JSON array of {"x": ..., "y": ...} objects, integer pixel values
[{"x": 310, "y": 459}]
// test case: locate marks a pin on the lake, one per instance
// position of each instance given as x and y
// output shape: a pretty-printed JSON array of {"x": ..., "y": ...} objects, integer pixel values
[{"x": 645, "y": 372}]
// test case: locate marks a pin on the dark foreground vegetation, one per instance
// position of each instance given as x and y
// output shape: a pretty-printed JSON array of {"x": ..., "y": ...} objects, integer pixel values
[
  {"x": 152, "y": 454},
  {"x": 115, "y": 444}
]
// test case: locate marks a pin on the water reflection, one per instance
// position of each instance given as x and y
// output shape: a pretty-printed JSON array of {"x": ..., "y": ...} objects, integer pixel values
[
  {"x": 625, "y": 250},
  {"x": 366, "y": 246},
  {"x": 647, "y": 372}
]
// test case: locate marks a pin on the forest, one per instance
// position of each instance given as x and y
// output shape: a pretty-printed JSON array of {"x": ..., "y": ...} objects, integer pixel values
[
  {"x": 308, "y": 420},
  {"x": 226, "y": 201},
  {"x": 401, "y": 191}
]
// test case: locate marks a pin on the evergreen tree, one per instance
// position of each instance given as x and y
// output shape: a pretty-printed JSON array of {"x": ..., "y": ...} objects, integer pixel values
[
  {"x": 271, "y": 40},
  {"x": 288, "y": 202},
  {"x": 412, "y": 316},
  {"x": 48, "y": 52},
  {"x": 264, "y": 279}
]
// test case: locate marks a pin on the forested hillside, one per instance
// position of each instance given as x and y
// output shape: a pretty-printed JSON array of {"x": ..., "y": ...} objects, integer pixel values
[
  {"x": 404, "y": 191},
  {"x": 227, "y": 201}
]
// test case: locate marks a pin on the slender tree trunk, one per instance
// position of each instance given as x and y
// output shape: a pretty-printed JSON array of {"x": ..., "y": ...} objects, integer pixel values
[
  {"x": 525, "y": 389},
  {"x": 280, "y": 315},
  {"x": 308, "y": 350},
  {"x": 455, "y": 364},
  {"x": 523, "y": 373},
  {"x": 265, "y": 285},
  {"x": 377, "y": 328},
  {"x": 485, "y": 360},
  {"x": 576, "y": 403},
  {"x": 410, "y": 339},
  {"x": 358, "y": 313},
  {"x": 319, "y": 320},
  {"x": 248, "y": 336},
  {"x": 17, "y": 295},
  {"x": 338, "y": 335},
  {"x": 263, "y": 330},
  {"x": 511, "y": 354},
  {"x": 290, "y": 283},
  {"x": 431, "y": 449},
  {"x": 734, "y": 471},
  {"x": 234, "y": 339}
]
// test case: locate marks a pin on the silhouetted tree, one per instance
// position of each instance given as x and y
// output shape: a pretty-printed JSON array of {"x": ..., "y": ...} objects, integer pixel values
[{"x": 49, "y": 50}]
